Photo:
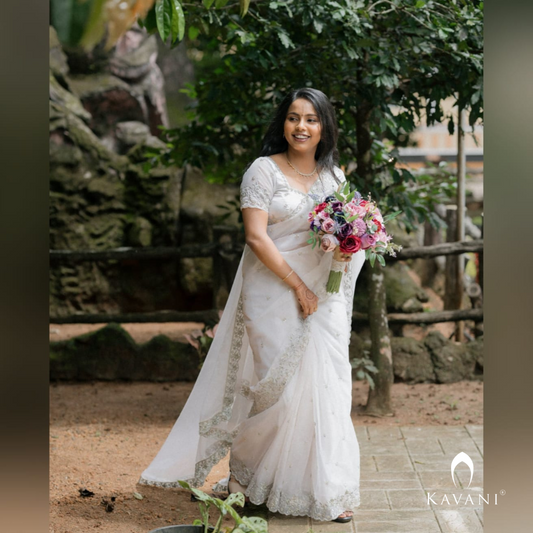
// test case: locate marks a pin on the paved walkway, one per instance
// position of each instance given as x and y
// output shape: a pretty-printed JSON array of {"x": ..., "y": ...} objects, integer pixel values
[{"x": 399, "y": 467}]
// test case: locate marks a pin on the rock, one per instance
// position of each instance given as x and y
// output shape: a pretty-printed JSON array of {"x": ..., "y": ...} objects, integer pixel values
[
  {"x": 111, "y": 354},
  {"x": 57, "y": 58},
  {"x": 131, "y": 133},
  {"x": 475, "y": 348},
  {"x": 400, "y": 235},
  {"x": 199, "y": 212},
  {"x": 413, "y": 305},
  {"x": 136, "y": 134},
  {"x": 134, "y": 55},
  {"x": 400, "y": 288},
  {"x": 109, "y": 100},
  {"x": 451, "y": 360},
  {"x": 411, "y": 361},
  {"x": 60, "y": 95},
  {"x": 140, "y": 232}
]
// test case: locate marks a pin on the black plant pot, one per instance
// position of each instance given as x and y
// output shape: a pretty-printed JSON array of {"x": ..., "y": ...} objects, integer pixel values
[{"x": 181, "y": 529}]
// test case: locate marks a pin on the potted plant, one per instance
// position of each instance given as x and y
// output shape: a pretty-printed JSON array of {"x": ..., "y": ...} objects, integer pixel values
[{"x": 243, "y": 524}]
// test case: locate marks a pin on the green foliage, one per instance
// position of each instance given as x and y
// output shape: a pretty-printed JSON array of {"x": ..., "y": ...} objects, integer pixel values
[
  {"x": 386, "y": 66},
  {"x": 364, "y": 368},
  {"x": 243, "y": 524},
  {"x": 69, "y": 18}
]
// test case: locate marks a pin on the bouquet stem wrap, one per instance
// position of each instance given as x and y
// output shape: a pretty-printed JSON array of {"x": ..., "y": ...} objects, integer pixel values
[{"x": 338, "y": 267}]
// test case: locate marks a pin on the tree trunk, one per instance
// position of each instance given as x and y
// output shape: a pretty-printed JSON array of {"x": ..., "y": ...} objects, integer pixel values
[{"x": 379, "y": 398}]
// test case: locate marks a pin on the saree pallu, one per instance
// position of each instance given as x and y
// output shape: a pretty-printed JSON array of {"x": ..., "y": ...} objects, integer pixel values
[{"x": 275, "y": 389}]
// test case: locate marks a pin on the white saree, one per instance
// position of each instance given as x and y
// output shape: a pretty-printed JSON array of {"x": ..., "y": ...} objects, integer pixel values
[{"x": 275, "y": 389}]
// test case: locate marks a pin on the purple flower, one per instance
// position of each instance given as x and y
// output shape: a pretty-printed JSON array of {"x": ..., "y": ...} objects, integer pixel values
[
  {"x": 337, "y": 207},
  {"x": 345, "y": 230},
  {"x": 359, "y": 227}
]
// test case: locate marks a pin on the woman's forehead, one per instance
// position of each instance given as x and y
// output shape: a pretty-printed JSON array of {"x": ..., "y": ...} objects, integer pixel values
[{"x": 301, "y": 106}]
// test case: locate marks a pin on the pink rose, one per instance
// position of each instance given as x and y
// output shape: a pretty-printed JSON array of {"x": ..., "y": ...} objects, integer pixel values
[
  {"x": 329, "y": 243},
  {"x": 328, "y": 225},
  {"x": 351, "y": 209},
  {"x": 368, "y": 241}
]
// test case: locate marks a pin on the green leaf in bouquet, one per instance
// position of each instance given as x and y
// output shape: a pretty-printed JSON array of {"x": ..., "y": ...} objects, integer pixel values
[
  {"x": 372, "y": 259},
  {"x": 310, "y": 241},
  {"x": 339, "y": 197},
  {"x": 381, "y": 259},
  {"x": 352, "y": 218},
  {"x": 350, "y": 196}
]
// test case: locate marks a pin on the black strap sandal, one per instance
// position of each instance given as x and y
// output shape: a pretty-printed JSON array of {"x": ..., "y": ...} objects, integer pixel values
[{"x": 343, "y": 519}]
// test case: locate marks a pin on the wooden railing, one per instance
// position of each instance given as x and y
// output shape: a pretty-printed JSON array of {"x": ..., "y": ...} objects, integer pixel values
[{"x": 225, "y": 251}]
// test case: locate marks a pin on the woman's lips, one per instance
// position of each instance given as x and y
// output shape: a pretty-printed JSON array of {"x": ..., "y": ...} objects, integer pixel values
[{"x": 302, "y": 139}]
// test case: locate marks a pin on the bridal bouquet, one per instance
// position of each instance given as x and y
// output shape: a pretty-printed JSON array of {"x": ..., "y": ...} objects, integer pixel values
[{"x": 345, "y": 223}]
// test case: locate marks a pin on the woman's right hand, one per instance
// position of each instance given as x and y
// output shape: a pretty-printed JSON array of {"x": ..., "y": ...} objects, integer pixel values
[{"x": 307, "y": 299}]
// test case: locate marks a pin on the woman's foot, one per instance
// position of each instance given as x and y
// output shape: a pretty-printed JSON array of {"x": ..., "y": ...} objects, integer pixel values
[
  {"x": 344, "y": 517},
  {"x": 234, "y": 486}
]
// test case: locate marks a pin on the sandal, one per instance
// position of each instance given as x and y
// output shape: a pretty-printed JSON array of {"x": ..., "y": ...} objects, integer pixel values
[{"x": 344, "y": 519}]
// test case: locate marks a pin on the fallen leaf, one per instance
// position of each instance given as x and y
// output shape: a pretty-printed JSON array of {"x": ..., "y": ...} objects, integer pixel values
[{"x": 137, "y": 495}]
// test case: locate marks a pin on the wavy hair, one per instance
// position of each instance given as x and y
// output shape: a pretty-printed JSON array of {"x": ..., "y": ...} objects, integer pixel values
[{"x": 326, "y": 154}]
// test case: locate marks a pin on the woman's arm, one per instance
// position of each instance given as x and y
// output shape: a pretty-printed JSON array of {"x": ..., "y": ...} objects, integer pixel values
[{"x": 255, "y": 228}]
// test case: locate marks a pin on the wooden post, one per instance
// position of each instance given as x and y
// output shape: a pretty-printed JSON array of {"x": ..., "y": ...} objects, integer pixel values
[
  {"x": 451, "y": 300},
  {"x": 225, "y": 263},
  {"x": 461, "y": 207},
  {"x": 429, "y": 269}
]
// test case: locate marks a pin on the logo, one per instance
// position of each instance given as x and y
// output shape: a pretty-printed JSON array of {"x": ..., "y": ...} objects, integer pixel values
[
  {"x": 462, "y": 458},
  {"x": 445, "y": 499}
]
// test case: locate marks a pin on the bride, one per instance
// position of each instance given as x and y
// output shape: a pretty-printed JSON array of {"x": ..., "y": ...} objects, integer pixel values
[{"x": 275, "y": 389}]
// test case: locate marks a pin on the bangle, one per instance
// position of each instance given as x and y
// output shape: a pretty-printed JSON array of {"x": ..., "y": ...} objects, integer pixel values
[
  {"x": 296, "y": 288},
  {"x": 291, "y": 272}
]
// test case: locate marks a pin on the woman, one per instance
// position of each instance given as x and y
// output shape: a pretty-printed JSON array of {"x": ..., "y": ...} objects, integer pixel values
[{"x": 275, "y": 388}]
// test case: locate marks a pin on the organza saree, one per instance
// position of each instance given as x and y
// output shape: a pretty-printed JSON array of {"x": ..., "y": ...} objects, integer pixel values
[{"x": 275, "y": 389}]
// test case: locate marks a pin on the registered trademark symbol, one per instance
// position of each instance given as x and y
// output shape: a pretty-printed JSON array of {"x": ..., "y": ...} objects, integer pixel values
[{"x": 502, "y": 492}]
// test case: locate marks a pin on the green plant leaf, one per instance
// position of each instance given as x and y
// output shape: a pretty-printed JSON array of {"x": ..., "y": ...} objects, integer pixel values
[
  {"x": 178, "y": 21},
  {"x": 163, "y": 16},
  {"x": 245, "y": 4}
]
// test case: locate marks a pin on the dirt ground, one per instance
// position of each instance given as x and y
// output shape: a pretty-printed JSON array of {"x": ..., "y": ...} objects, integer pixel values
[{"x": 103, "y": 435}]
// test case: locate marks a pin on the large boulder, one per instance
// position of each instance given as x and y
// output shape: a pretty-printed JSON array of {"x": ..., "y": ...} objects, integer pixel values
[
  {"x": 200, "y": 211},
  {"x": 110, "y": 353},
  {"x": 411, "y": 360},
  {"x": 403, "y": 294},
  {"x": 452, "y": 361}
]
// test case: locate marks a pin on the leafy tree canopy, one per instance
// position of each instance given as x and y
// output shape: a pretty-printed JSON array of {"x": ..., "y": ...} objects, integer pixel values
[{"x": 386, "y": 65}]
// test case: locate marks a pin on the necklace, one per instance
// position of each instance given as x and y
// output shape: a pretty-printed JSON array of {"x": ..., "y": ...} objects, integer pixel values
[{"x": 296, "y": 170}]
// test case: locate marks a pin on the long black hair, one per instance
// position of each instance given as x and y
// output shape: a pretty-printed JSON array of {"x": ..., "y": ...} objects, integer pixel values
[{"x": 326, "y": 153}]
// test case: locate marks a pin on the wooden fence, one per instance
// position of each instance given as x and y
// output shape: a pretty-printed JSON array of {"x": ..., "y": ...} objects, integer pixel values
[{"x": 226, "y": 251}]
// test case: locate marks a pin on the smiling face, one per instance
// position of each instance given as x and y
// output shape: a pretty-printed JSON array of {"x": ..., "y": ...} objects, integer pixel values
[{"x": 302, "y": 126}]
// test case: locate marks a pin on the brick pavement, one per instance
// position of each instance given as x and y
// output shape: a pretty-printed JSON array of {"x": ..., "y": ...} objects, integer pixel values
[{"x": 399, "y": 467}]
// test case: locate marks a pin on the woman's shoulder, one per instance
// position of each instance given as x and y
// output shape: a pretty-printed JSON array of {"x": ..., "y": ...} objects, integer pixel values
[{"x": 260, "y": 165}]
